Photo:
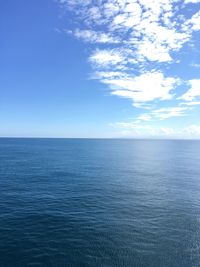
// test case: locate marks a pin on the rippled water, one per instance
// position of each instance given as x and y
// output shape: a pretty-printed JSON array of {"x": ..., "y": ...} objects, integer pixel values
[{"x": 73, "y": 202}]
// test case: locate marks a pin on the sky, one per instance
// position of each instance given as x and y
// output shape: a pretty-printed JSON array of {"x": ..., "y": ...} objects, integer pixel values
[{"x": 97, "y": 69}]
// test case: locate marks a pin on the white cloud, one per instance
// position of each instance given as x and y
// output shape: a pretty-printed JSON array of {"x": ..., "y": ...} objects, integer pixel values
[
  {"x": 154, "y": 51},
  {"x": 195, "y": 21},
  {"x": 192, "y": 1},
  {"x": 106, "y": 58},
  {"x": 193, "y": 130},
  {"x": 159, "y": 41},
  {"x": 193, "y": 92},
  {"x": 130, "y": 16},
  {"x": 130, "y": 129},
  {"x": 149, "y": 28},
  {"x": 191, "y": 103},
  {"x": 192, "y": 24},
  {"x": 134, "y": 42},
  {"x": 159, "y": 114},
  {"x": 144, "y": 88},
  {"x": 145, "y": 117},
  {"x": 109, "y": 75},
  {"x": 94, "y": 36},
  {"x": 147, "y": 131},
  {"x": 165, "y": 113},
  {"x": 195, "y": 65}
]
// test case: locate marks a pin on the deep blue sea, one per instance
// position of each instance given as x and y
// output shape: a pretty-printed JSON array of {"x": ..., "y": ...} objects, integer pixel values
[{"x": 87, "y": 202}]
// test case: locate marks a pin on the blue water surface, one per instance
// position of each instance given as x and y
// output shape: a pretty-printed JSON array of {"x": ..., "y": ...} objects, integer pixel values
[{"x": 93, "y": 202}]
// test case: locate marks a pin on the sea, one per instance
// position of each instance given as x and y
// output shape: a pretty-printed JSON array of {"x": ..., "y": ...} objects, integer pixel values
[{"x": 99, "y": 202}]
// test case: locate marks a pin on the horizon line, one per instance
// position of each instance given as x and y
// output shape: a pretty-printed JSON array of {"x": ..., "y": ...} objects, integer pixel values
[{"x": 103, "y": 138}]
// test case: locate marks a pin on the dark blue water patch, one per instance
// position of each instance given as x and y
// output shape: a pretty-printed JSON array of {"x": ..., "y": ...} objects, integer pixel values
[{"x": 82, "y": 202}]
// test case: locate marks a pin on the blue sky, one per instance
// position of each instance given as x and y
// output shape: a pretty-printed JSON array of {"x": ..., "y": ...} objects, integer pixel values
[{"x": 83, "y": 68}]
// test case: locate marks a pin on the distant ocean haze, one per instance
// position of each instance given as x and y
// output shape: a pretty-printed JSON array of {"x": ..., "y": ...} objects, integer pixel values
[{"x": 99, "y": 202}]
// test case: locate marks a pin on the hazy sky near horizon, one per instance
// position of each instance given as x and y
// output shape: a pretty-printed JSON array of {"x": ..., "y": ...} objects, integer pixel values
[{"x": 115, "y": 68}]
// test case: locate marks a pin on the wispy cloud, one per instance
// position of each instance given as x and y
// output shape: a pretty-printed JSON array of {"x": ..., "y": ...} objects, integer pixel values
[
  {"x": 143, "y": 88},
  {"x": 151, "y": 29},
  {"x": 191, "y": 103},
  {"x": 134, "y": 44},
  {"x": 170, "y": 112},
  {"x": 194, "y": 92},
  {"x": 192, "y": 1},
  {"x": 148, "y": 131},
  {"x": 93, "y": 36},
  {"x": 195, "y": 65},
  {"x": 154, "y": 115},
  {"x": 107, "y": 59}
]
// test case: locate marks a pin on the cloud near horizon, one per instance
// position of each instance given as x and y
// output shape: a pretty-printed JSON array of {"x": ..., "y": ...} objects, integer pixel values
[{"x": 134, "y": 47}]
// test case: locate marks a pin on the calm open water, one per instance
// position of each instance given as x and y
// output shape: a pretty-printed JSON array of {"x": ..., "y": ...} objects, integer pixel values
[{"x": 76, "y": 202}]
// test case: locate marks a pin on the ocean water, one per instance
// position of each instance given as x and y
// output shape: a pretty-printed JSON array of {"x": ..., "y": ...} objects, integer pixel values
[{"x": 81, "y": 202}]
